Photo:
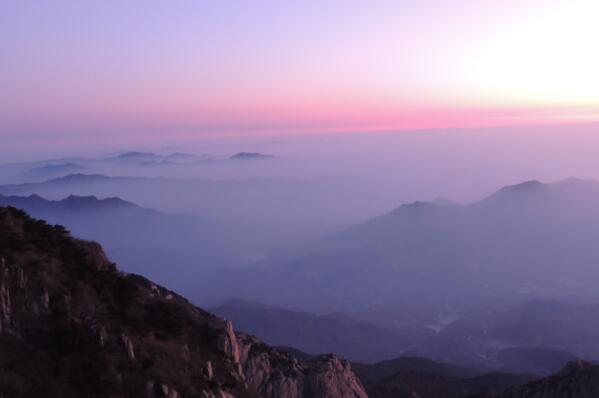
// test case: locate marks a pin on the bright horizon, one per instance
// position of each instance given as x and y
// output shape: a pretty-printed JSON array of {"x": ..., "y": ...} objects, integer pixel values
[{"x": 149, "y": 70}]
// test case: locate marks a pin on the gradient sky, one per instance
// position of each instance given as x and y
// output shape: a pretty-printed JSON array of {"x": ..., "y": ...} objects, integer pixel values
[{"x": 184, "y": 68}]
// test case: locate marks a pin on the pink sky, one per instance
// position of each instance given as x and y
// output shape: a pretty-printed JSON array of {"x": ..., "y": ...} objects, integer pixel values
[{"x": 235, "y": 67}]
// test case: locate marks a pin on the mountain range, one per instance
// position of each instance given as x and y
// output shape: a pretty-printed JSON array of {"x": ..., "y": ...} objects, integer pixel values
[
  {"x": 125, "y": 161},
  {"x": 159, "y": 245},
  {"x": 49, "y": 171},
  {"x": 72, "y": 325},
  {"x": 501, "y": 283},
  {"x": 249, "y": 156},
  {"x": 278, "y": 211},
  {"x": 438, "y": 255},
  {"x": 469, "y": 309}
]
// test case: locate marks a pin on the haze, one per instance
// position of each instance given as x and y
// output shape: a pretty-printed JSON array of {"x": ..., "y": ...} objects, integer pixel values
[{"x": 415, "y": 182}]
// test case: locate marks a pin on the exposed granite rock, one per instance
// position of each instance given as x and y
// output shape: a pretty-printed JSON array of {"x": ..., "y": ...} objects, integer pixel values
[
  {"x": 277, "y": 374},
  {"x": 230, "y": 344},
  {"x": 128, "y": 345},
  {"x": 330, "y": 376},
  {"x": 5, "y": 306}
]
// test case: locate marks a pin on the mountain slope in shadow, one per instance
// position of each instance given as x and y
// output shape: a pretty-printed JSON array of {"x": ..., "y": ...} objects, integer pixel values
[{"x": 72, "y": 325}]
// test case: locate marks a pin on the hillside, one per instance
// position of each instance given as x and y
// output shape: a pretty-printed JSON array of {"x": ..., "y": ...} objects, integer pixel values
[{"x": 72, "y": 325}]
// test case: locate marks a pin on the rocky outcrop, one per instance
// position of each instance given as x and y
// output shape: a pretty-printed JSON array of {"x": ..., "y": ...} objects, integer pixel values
[
  {"x": 230, "y": 344},
  {"x": 71, "y": 325},
  {"x": 275, "y": 374},
  {"x": 331, "y": 376},
  {"x": 128, "y": 344}
]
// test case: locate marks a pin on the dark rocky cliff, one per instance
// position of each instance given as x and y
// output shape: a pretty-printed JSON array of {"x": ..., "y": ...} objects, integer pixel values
[{"x": 72, "y": 325}]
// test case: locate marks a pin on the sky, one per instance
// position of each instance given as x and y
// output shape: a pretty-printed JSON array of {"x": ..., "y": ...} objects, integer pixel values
[{"x": 74, "y": 71}]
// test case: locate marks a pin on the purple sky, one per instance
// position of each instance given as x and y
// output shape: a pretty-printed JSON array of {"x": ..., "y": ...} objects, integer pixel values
[{"x": 72, "y": 71}]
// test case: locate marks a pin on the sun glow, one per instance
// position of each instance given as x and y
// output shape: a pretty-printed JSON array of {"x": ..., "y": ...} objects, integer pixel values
[
  {"x": 548, "y": 57},
  {"x": 258, "y": 67}
]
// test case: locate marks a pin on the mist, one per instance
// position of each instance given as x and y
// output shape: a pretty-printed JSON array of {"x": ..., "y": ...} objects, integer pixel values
[
  {"x": 299, "y": 199},
  {"x": 414, "y": 232}
]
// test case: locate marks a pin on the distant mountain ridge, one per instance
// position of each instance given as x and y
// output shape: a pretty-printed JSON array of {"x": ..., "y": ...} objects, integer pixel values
[
  {"x": 249, "y": 156},
  {"x": 524, "y": 223},
  {"x": 70, "y": 202},
  {"x": 52, "y": 170},
  {"x": 278, "y": 211},
  {"x": 314, "y": 334},
  {"x": 57, "y": 183},
  {"x": 421, "y": 261},
  {"x": 414, "y": 377},
  {"x": 123, "y": 162},
  {"x": 137, "y": 157},
  {"x": 145, "y": 241}
]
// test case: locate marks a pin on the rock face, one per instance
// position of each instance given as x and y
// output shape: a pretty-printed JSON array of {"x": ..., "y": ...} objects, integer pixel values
[
  {"x": 277, "y": 374},
  {"x": 72, "y": 325}
]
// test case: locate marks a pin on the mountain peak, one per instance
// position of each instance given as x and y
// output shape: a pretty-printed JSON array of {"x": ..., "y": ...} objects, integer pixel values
[
  {"x": 37, "y": 204},
  {"x": 526, "y": 186},
  {"x": 134, "y": 155},
  {"x": 416, "y": 207},
  {"x": 509, "y": 193},
  {"x": 573, "y": 183},
  {"x": 80, "y": 177},
  {"x": 249, "y": 156},
  {"x": 91, "y": 200}
]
